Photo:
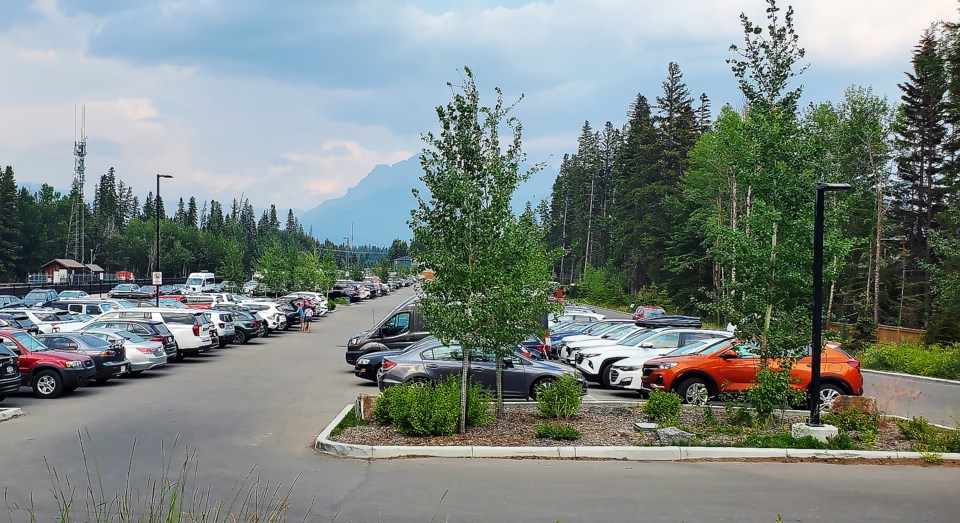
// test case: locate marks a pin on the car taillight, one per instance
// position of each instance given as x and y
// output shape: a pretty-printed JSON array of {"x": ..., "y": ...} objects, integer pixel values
[
  {"x": 108, "y": 353},
  {"x": 387, "y": 364},
  {"x": 196, "y": 330},
  {"x": 854, "y": 363},
  {"x": 256, "y": 325},
  {"x": 145, "y": 350},
  {"x": 221, "y": 325},
  {"x": 161, "y": 339}
]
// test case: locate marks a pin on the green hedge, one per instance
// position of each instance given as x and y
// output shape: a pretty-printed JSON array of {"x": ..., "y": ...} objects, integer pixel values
[{"x": 935, "y": 361}]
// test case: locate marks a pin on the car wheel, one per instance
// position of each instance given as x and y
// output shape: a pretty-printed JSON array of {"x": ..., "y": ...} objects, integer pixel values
[
  {"x": 47, "y": 384},
  {"x": 828, "y": 394},
  {"x": 605, "y": 378},
  {"x": 241, "y": 337},
  {"x": 538, "y": 387},
  {"x": 378, "y": 372},
  {"x": 694, "y": 391}
]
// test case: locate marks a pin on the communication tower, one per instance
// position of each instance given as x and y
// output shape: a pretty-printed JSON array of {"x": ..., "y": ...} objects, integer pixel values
[{"x": 77, "y": 233}]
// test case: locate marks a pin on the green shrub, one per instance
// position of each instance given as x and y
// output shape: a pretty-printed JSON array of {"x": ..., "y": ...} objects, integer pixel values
[
  {"x": 928, "y": 438},
  {"x": 842, "y": 441},
  {"x": 862, "y": 426},
  {"x": 560, "y": 399},
  {"x": 773, "y": 391},
  {"x": 478, "y": 405},
  {"x": 663, "y": 407},
  {"x": 737, "y": 414},
  {"x": 936, "y": 361},
  {"x": 331, "y": 305},
  {"x": 558, "y": 431},
  {"x": 382, "y": 408},
  {"x": 782, "y": 441},
  {"x": 341, "y": 301}
]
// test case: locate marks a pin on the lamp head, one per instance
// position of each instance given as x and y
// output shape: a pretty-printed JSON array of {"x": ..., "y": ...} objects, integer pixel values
[
  {"x": 824, "y": 187},
  {"x": 164, "y": 176}
]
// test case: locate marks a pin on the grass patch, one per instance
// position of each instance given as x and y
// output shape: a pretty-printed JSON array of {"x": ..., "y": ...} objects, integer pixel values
[
  {"x": 934, "y": 361},
  {"x": 350, "y": 420},
  {"x": 557, "y": 431}
]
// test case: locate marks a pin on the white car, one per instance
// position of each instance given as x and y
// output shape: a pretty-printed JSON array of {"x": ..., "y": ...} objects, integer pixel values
[
  {"x": 223, "y": 322},
  {"x": 576, "y": 316},
  {"x": 49, "y": 320},
  {"x": 318, "y": 300},
  {"x": 269, "y": 312},
  {"x": 596, "y": 363},
  {"x": 573, "y": 344},
  {"x": 190, "y": 327},
  {"x": 628, "y": 373}
]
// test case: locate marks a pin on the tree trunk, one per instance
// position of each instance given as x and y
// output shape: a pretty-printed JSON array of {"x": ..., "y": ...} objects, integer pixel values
[
  {"x": 464, "y": 381},
  {"x": 499, "y": 368}
]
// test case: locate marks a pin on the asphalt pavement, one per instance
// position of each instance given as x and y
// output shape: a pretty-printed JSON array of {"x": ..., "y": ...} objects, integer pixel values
[{"x": 253, "y": 411}]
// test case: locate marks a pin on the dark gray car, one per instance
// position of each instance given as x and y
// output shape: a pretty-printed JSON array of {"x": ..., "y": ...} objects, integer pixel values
[{"x": 434, "y": 362}]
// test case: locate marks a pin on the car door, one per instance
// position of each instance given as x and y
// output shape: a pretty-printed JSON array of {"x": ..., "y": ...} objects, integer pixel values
[
  {"x": 27, "y": 359},
  {"x": 738, "y": 373},
  {"x": 442, "y": 362},
  {"x": 394, "y": 333}
]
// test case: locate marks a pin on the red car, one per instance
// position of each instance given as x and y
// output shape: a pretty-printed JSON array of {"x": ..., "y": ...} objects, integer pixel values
[{"x": 48, "y": 372}]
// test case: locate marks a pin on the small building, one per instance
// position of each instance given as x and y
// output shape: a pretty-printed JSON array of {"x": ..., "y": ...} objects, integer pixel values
[
  {"x": 96, "y": 271},
  {"x": 60, "y": 269},
  {"x": 403, "y": 261}
]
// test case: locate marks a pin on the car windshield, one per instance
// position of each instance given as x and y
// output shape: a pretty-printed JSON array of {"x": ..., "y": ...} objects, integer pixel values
[
  {"x": 52, "y": 316},
  {"x": 123, "y": 287},
  {"x": 195, "y": 281},
  {"x": 29, "y": 342},
  {"x": 36, "y": 295},
  {"x": 697, "y": 347},
  {"x": 620, "y": 330},
  {"x": 636, "y": 338},
  {"x": 148, "y": 288},
  {"x": 601, "y": 328}
]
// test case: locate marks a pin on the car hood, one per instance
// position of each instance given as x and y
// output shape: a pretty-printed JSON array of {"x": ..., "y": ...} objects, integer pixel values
[
  {"x": 65, "y": 355},
  {"x": 594, "y": 342},
  {"x": 554, "y": 366}
]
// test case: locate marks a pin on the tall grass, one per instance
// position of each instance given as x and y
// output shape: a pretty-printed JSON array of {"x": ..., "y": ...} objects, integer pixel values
[
  {"x": 935, "y": 361},
  {"x": 175, "y": 496}
]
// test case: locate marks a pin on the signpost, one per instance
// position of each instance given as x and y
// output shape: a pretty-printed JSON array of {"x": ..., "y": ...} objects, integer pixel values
[{"x": 158, "y": 281}]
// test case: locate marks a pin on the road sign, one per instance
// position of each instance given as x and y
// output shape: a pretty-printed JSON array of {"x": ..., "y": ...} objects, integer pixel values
[{"x": 157, "y": 278}]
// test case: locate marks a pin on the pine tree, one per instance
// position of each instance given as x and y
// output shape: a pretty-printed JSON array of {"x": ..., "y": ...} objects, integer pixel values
[
  {"x": 10, "y": 240},
  {"x": 191, "y": 216},
  {"x": 181, "y": 215},
  {"x": 216, "y": 222},
  {"x": 149, "y": 211},
  {"x": 293, "y": 226},
  {"x": 274, "y": 221},
  {"x": 920, "y": 195}
]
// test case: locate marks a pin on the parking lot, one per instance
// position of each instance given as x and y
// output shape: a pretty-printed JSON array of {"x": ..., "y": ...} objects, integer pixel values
[{"x": 259, "y": 406}]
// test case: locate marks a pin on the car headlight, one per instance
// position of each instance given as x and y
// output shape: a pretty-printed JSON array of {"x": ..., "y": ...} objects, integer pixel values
[
  {"x": 589, "y": 354},
  {"x": 353, "y": 341},
  {"x": 628, "y": 367},
  {"x": 73, "y": 364},
  {"x": 667, "y": 365},
  {"x": 363, "y": 361}
]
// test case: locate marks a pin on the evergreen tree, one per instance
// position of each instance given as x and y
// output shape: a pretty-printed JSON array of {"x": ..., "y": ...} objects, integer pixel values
[
  {"x": 149, "y": 209},
  {"x": 293, "y": 226},
  {"x": 181, "y": 215},
  {"x": 191, "y": 216},
  {"x": 274, "y": 221},
  {"x": 10, "y": 240},
  {"x": 215, "y": 222}
]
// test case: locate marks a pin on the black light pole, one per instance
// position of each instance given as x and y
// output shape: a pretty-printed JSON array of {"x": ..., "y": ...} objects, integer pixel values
[
  {"x": 156, "y": 204},
  {"x": 816, "y": 345}
]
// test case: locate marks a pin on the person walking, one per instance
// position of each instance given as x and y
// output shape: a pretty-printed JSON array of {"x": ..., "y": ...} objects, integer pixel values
[
  {"x": 307, "y": 318},
  {"x": 300, "y": 314}
]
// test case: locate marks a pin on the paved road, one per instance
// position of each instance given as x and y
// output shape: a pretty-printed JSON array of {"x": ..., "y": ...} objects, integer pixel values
[
  {"x": 938, "y": 402},
  {"x": 260, "y": 405}
]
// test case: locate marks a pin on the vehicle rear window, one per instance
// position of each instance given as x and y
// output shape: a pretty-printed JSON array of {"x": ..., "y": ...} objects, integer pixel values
[
  {"x": 162, "y": 329},
  {"x": 94, "y": 341},
  {"x": 180, "y": 318}
]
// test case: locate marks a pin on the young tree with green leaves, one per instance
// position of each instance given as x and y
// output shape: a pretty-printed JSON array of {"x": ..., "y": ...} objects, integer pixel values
[
  {"x": 231, "y": 268},
  {"x": 485, "y": 294}
]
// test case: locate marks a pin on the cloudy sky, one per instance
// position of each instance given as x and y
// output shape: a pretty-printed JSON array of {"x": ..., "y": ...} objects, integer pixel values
[{"x": 292, "y": 102}]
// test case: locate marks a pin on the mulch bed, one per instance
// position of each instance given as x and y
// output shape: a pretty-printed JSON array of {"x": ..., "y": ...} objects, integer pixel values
[{"x": 600, "y": 424}]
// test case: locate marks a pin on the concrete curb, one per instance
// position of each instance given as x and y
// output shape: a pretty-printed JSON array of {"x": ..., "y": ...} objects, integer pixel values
[
  {"x": 910, "y": 377},
  {"x": 621, "y": 453},
  {"x": 6, "y": 414}
]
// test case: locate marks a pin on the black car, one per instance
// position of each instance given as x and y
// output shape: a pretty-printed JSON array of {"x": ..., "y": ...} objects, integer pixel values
[
  {"x": 153, "y": 330},
  {"x": 19, "y": 320},
  {"x": 9, "y": 372},
  {"x": 110, "y": 358},
  {"x": 246, "y": 326},
  {"x": 345, "y": 290}
]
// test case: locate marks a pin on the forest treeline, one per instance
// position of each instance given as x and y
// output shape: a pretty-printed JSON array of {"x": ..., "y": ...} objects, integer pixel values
[{"x": 716, "y": 214}]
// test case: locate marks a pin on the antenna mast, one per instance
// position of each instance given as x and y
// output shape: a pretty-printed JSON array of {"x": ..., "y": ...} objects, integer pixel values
[{"x": 77, "y": 233}]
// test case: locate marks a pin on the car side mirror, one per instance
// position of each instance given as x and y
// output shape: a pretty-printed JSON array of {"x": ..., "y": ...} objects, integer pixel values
[
  {"x": 729, "y": 354},
  {"x": 508, "y": 363},
  {"x": 646, "y": 345}
]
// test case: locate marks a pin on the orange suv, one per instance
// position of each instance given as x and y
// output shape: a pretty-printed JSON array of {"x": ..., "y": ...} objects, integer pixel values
[{"x": 731, "y": 367}]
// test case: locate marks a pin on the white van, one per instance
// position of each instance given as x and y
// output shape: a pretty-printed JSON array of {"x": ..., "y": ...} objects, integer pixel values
[{"x": 201, "y": 281}]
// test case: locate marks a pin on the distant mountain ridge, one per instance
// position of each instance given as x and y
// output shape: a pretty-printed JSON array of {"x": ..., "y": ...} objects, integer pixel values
[{"x": 379, "y": 205}]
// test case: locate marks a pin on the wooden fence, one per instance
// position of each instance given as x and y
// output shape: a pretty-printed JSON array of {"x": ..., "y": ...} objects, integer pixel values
[{"x": 885, "y": 333}]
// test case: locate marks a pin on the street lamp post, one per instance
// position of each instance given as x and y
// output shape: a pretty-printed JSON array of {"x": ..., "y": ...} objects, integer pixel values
[
  {"x": 816, "y": 345},
  {"x": 156, "y": 204}
]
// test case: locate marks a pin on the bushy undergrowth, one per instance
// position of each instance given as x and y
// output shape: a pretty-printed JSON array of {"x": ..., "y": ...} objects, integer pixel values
[
  {"x": 841, "y": 441},
  {"x": 558, "y": 431},
  {"x": 935, "y": 361},
  {"x": 663, "y": 407},
  {"x": 560, "y": 399},
  {"x": 862, "y": 426},
  {"x": 419, "y": 409},
  {"x": 928, "y": 438}
]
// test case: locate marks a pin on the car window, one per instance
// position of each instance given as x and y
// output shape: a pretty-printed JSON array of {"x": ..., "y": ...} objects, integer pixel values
[
  {"x": 397, "y": 325},
  {"x": 669, "y": 340},
  {"x": 483, "y": 355},
  {"x": 93, "y": 342},
  {"x": 746, "y": 350},
  {"x": 129, "y": 336},
  {"x": 448, "y": 353},
  {"x": 691, "y": 337},
  {"x": 179, "y": 318}
]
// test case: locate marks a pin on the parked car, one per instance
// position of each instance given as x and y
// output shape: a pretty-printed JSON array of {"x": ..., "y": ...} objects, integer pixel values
[
  {"x": 48, "y": 372},
  {"x": 127, "y": 290},
  {"x": 164, "y": 302},
  {"x": 251, "y": 287},
  {"x": 595, "y": 362},
  {"x": 223, "y": 323},
  {"x": 273, "y": 318},
  {"x": 246, "y": 326},
  {"x": 8, "y": 300},
  {"x": 46, "y": 319},
  {"x": 399, "y": 328},
  {"x": 69, "y": 295},
  {"x": 9, "y": 372},
  {"x": 345, "y": 290},
  {"x": 608, "y": 336},
  {"x": 110, "y": 358},
  {"x": 90, "y": 306},
  {"x": 151, "y": 330},
  {"x": 575, "y": 316},
  {"x": 142, "y": 353},
  {"x": 38, "y": 297},
  {"x": 150, "y": 290},
  {"x": 627, "y": 373},
  {"x": 647, "y": 312},
  {"x": 732, "y": 368},
  {"x": 190, "y": 328},
  {"x": 522, "y": 377},
  {"x": 20, "y": 321}
]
